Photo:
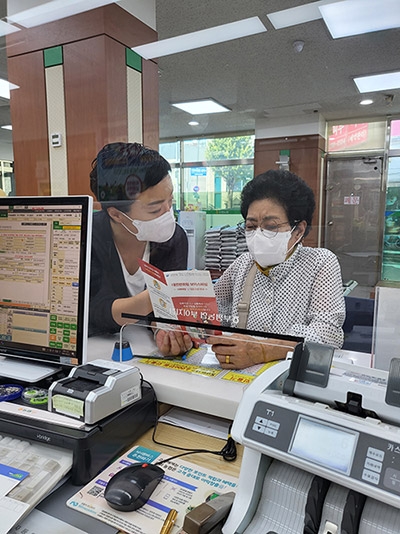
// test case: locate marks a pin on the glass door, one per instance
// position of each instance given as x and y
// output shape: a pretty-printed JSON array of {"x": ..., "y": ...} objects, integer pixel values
[{"x": 354, "y": 205}]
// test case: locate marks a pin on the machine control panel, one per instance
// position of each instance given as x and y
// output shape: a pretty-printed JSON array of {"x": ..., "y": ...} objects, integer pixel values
[{"x": 351, "y": 452}]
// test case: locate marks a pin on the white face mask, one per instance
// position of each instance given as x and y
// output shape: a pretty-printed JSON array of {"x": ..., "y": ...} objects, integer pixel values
[
  {"x": 269, "y": 250},
  {"x": 157, "y": 230}
]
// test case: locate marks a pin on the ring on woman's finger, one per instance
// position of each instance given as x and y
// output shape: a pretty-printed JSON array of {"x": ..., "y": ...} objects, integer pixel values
[{"x": 227, "y": 359}]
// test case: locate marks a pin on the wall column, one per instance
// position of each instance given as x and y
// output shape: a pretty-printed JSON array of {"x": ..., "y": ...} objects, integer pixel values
[{"x": 78, "y": 77}]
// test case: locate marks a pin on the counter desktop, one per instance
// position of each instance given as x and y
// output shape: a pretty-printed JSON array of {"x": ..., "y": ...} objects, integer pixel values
[
  {"x": 352, "y": 488},
  {"x": 186, "y": 383},
  {"x": 243, "y": 398},
  {"x": 166, "y": 375}
]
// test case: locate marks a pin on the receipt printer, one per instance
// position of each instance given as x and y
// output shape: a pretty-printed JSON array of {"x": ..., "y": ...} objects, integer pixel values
[{"x": 95, "y": 390}]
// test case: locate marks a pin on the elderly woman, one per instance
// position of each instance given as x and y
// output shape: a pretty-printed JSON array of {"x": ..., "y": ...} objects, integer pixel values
[
  {"x": 279, "y": 285},
  {"x": 295, "y": 290}
]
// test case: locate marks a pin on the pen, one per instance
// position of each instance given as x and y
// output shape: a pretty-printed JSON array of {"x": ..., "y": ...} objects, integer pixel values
[{"x": 169, "y": 522}]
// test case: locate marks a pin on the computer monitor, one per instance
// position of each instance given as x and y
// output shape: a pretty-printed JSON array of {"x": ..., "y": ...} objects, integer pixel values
[{"x": 45, "y": 247}]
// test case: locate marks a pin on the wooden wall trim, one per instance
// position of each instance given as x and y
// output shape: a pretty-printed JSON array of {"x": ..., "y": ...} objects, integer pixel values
[
  {"x": 96, "y": 104},
  {"x": 150, "y": 104},
  {"x": 292, "y": 142},
  {"x": 28, "y": 117}
]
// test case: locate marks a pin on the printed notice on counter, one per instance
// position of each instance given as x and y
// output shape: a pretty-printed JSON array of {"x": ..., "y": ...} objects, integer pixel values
[{"x": 184, "y": 486}]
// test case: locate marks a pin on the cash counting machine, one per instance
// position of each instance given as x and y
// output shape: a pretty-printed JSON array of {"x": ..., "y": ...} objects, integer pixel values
[{"x": 321, "y": 449}]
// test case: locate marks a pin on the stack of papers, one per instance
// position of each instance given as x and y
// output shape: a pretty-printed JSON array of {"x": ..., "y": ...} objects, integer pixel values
[
  {"x": 213, "y": 248},
  {"x": 32, "y": 471},
  {"x": 233, "y": 243},
  {"x": 223, "y": 244}
]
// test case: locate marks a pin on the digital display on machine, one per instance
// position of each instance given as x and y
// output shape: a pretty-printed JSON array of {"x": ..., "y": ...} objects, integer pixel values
[{"x": 324, "y": 444}]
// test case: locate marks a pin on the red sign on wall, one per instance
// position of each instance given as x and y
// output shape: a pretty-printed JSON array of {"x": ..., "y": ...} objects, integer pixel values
[{"x": 345, "y": 136}]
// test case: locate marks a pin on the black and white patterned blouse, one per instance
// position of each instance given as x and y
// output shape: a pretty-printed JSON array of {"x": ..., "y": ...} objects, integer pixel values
[{"x": 302, "y": 296}]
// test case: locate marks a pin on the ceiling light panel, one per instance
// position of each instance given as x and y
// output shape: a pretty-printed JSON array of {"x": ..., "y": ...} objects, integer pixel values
[
  {"x": 6, "y": 29},
  {"x": 355, "y": 17},
  {"x": 297, "y": 15},
  {"x": 5, "y": 87},
  {"x": 201, "y": 107},
  {"x": 210, "y": 36},
  {"x": 378, "y": 82}
]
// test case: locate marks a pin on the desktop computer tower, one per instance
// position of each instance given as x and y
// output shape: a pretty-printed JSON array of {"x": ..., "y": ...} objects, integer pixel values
[{"x": 194, "y": 224}]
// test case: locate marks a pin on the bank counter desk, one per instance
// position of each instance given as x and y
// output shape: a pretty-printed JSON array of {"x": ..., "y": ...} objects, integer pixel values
[
  {"x": 304, "y": 466},
  {"x": 321, "y": 448},
  {"x": 191, "y": 391}
]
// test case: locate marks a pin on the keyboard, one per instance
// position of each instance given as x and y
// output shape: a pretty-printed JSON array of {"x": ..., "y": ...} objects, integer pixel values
[{"x": 47, "y": 465}]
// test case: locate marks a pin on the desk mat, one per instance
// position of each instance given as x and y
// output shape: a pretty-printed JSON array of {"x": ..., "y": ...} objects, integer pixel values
[{"x": 184, "y": 486}]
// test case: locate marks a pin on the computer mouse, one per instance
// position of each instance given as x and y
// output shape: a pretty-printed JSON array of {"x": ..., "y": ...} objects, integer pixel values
[{"x": 130, "y": 488}]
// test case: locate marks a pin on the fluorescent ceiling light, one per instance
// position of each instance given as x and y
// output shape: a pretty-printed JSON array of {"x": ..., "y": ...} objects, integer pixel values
[
  {"x": 7, "y": 127},
  {"x": 6, "y": 28},
  {"x": 201, "y": 107},
  {"x": 354, "y": 17},
  {"x": 54, "y": 10},
  {"x": 5, "y": 87},
  {"x": 297, "y": 15},
  {"x": 366, "y": 102},
  {"x": 210, "y": 36},
  {"x": 378, "y": 82},
  {"x": 193, "y": 123}
]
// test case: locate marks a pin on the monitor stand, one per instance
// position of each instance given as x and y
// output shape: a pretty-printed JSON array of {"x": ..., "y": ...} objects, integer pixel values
[{"x": 25, "y": 371}]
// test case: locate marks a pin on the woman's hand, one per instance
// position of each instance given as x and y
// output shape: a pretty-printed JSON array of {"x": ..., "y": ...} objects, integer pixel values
[
  {"x": 240, "y": 351},
  {"x": 173, "y": 342}
]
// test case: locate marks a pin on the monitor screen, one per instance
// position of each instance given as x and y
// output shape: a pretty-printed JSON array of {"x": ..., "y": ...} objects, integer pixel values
[{"x": 44, "y": 278}]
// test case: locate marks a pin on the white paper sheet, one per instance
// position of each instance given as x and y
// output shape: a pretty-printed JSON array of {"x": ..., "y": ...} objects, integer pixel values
[
  {"x": 204, "y": 424},
  {"x": 10, "y": 512},
  {"x": 7, "y": 484}
]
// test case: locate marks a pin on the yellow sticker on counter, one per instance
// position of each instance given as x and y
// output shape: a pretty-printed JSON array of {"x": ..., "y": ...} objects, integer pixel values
[{"x": 68, "y": 406}]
